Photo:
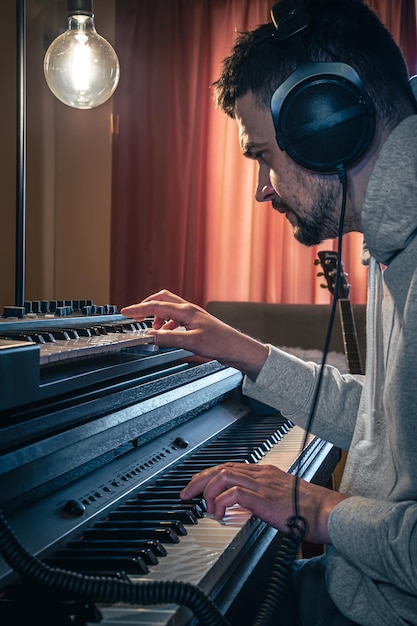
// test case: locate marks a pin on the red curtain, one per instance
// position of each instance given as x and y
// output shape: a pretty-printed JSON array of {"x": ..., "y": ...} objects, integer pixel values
[{"x": 183, "y": 210}]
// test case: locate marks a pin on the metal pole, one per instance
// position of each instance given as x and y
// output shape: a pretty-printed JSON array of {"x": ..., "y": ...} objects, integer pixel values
[{"x": 20, "y": 151}]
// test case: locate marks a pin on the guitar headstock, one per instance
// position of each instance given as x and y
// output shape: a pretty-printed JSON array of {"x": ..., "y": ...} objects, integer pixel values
[{"x": 328, "y": 262}]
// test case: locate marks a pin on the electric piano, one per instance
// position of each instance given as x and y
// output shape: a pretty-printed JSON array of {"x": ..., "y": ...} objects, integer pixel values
[{"x": 99, "y": 431}]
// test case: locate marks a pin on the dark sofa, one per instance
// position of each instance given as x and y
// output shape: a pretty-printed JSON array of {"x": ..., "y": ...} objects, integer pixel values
[{"x": 297, "y": 325}]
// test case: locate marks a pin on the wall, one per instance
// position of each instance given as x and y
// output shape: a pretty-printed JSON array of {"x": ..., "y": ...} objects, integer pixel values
[{"x": 68, "y": 198}]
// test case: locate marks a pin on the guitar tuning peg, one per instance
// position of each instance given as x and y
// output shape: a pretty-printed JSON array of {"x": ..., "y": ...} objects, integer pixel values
[
  {"x": 320, "y": 273},
  {"x": 324, "y": 286}
]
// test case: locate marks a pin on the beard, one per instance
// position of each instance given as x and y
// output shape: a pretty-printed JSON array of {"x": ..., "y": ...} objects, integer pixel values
[{"x": 322, "y": 220}]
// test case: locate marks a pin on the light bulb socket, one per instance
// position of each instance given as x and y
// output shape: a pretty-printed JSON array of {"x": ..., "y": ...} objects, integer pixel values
[{"x": 80, "y": 7}]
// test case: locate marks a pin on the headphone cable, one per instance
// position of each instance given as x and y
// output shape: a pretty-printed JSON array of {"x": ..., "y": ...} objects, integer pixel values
[
  {"x": 343, "y": 179},
  {"x": 297, "y": 524}
]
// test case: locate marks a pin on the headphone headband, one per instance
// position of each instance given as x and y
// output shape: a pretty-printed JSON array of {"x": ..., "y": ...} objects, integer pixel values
[{"x": 288, "y": 22}]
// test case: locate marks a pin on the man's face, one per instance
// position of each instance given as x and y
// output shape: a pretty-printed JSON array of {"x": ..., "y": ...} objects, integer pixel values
[{"x": 311, "y": 202}]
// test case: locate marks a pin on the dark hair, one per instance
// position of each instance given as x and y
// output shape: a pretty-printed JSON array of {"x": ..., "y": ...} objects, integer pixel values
[{"x": 345, "y": 31}]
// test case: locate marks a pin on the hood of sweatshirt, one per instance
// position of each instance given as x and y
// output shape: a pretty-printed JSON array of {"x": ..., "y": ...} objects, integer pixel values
[{"x": 389, "y": 219}]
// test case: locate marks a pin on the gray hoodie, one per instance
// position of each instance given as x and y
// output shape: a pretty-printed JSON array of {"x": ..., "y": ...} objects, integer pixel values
[{"x": 372, "y": 562}]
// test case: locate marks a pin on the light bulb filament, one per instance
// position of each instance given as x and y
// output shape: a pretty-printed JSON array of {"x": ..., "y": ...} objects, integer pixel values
[{"x": 81, "y": 69}]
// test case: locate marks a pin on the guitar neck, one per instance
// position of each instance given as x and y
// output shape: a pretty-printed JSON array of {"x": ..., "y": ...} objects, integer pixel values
[{"x": 350, "y": 337}]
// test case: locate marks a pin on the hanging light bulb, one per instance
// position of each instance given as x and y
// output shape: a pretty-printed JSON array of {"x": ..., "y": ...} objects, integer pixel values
[{"x": 81, "y": 68}]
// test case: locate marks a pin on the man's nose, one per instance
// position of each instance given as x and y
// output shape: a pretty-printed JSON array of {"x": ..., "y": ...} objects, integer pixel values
[{"x": 264, "y": 190}]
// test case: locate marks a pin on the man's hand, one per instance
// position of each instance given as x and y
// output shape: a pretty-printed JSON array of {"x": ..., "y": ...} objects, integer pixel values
[
  {"x": 180, "y": 324},
  {"x": 268, "y": 493}
]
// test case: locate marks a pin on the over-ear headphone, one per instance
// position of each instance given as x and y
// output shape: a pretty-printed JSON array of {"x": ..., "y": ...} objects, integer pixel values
[{"x": 323, "y": 117}]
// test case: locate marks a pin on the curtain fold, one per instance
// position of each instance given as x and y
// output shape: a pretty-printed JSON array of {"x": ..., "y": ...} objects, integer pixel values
[{"x": 183, "y": 210}]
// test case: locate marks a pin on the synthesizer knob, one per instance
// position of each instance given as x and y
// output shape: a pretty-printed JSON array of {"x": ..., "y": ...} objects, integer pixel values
[
  {"x": 74, "y": 507},
  {"x": 180, "y": 442},
  {"x": 14, "y": 311}
]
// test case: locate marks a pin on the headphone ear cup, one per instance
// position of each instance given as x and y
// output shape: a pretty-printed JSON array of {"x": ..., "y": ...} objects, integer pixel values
[{"x": 323, "y": 117}]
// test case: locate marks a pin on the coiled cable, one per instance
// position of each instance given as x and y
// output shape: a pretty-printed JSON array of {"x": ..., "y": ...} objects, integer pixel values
[{"x": 104, "y": 588}]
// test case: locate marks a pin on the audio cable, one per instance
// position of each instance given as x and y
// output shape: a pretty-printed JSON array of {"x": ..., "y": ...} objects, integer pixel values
[{"x": 297, "y": 524}]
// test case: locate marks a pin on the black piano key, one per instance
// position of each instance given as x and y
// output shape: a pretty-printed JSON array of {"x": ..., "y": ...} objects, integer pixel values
[
  {"x": 177, "y": 481},
  {"x": 100, "y": 330},
  {"x": 166, "y": 496},
  {"x": 274, "y": 438},
  {"x": 181, "y": 477},
  {"x": 154, "y": 545},
  {"x": 48, "y": 337},
  {"x": 164, "y": 535},
  {"x": 118, "y": 328},
  {"x": 168, "y": 491},
  {"x": 239, "y": 454},
  {"x": 187, "y": 470},
  {"x": 175, "y": 525},
  {"x": 167, "y": 487},
  {"x": 168, "y": 505},
  {"x": 129, "y": 326},
  {"x": 130, "y": 565},
  {"x": 213, "y": 459},
  {"x": 72, "y": 333},
  {"x": 84, "y": 332},
  {"x": 257, "y": 447},
  {"x": 148, "y": 556},
  {"x": 176, "y": 515},
  {"x": 258, "y": 441},
  {"x": 61, "y": 334},
  {"x": 39, "y": 338},
  {"x": 253, "y": 433},
  {"x": 149, "y": 494}
]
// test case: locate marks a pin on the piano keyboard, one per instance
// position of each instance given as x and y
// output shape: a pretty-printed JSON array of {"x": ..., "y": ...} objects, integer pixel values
[
  {"x": 138, "y": 540},
  {"x": 59, "y": 355},
  {"x": 62, "y": 343},
  {"x": 209, "y": 548},
  {"x": 91, "y": 346}
]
